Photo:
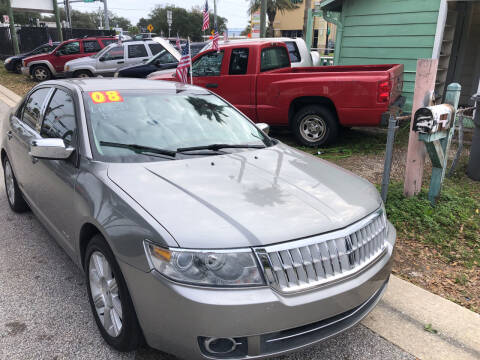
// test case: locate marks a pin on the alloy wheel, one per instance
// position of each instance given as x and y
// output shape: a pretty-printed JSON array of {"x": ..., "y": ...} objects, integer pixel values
[
  {"x": 9, "y": 182},
  {"x": 105, "y": 295},
  {"x": 313, "y": 128},
  {"x": 41, "y": 74}
]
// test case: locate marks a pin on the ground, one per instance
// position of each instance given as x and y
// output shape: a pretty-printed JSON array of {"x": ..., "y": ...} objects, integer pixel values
[{"x": 437, "y": 248}]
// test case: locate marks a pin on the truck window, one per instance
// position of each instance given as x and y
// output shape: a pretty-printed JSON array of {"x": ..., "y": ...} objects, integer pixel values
[
  {"x": 293, "y": 51},
  {"x": 155, "y": 48},
  {"x": 70, "y": 48},
  {"x": 274, "y": 58},
  {"x": 115, "y": 53},
  {"x": 238, "y": 62},
  {"x": 208, "y": 64},
  {"x": 137, "y": 51},
  {"x": 90, "y": 46}
]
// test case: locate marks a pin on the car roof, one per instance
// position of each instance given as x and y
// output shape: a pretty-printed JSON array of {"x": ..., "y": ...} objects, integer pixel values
[{"x": 106, "y": 84}]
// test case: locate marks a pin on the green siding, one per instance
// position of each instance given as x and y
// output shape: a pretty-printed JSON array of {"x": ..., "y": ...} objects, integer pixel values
[{"x": 389, "y": 31}]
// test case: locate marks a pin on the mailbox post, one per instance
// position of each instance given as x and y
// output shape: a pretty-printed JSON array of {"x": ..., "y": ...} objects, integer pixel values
[
  {"x": 435, "y": 126},
  {"x": 473, "y": 169}
]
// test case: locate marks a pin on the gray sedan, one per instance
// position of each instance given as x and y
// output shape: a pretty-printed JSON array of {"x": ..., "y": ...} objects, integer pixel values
[{"x": 198, "y": 233}]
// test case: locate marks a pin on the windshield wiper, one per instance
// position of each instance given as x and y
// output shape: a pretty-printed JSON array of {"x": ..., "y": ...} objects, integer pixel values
[
  {"x": 139, "y": 148},
  {"x": 220, "y": 146}
]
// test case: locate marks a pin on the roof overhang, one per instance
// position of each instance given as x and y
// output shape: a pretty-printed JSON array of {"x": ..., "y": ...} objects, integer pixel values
[{"x": 331, "y": 5}]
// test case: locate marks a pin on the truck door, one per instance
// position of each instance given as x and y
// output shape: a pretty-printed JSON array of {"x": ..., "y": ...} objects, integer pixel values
[{"x": 66, "y": 52}]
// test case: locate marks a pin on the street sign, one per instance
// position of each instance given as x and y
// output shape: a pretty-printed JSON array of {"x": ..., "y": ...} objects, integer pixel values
[
  {"x": 150, "y": 27},
  {"x": 169, "y": 17}
]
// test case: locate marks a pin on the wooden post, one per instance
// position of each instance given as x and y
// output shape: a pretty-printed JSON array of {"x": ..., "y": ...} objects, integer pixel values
[
  {"x": 13, "y": 31},
  {"x": 424, "y": 88}
]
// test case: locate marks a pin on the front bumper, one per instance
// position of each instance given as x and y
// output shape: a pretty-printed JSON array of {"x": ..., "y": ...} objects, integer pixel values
[{"x": 175, "y": 317}]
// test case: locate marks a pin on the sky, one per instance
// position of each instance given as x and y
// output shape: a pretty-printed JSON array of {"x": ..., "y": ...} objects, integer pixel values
[{"x": 234, "y": 10}]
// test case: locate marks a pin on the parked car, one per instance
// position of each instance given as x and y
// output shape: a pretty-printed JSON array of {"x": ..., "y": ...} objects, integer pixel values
[
  {"x": 196, "y": 231},
  {"x": 112, "y": 58},
  {"x": 168, "y": 58},
  {"x": 256, "y": 77},
  {"x": 297, "y": 49},
  {"x": 14, "y": 63},
  {"x": 45, "y": 66}
]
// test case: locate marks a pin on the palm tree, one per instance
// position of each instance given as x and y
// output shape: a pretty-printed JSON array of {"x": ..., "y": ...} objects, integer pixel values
[{"x": 273, "y": 6}]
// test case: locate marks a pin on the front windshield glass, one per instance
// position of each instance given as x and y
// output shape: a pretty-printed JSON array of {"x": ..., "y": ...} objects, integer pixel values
[{"x": 165, "y": 121}]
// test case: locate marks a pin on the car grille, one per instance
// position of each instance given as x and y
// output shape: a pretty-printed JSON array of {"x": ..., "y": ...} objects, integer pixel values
[{"x": 306, "y": 263}]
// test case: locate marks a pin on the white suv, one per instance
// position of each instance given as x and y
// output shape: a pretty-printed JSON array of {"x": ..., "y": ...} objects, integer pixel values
[{"x": 112, "y": 58}]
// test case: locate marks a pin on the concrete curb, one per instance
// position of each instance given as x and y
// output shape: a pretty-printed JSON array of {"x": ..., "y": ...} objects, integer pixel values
[
  {"x": 9, "y": 97},
  {"x": 406, "y": 309}
]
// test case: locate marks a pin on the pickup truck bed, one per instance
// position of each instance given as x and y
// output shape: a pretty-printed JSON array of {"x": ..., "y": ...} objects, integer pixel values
[{"x": 313, "y": 101}]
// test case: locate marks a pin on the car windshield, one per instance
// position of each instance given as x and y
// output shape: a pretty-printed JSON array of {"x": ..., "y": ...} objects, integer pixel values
[{"x": 140, "y": 126}]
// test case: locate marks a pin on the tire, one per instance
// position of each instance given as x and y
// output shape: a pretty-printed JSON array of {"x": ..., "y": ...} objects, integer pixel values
[
  {"x": 116, "y": 300},
  {"x": 41, "y": 73},
  {"x": 82, "y": 74},
  {"x": 18, "y": 67},
  {"x": 14, "y": 195},
  {"x": 315, "y": 125}
]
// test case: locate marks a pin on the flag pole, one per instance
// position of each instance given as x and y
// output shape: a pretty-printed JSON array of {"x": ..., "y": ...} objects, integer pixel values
[{"x": 190, "y": 53}]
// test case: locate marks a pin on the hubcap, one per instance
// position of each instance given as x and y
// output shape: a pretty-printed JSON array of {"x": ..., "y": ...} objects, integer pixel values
[
  {"x": 104, "y": 291},
  {"x": 83, "y": 75},
  {"x": 313, "y": 128},
  {"x": 9, "y": 182},
  {"x": 41, "y": 74}
]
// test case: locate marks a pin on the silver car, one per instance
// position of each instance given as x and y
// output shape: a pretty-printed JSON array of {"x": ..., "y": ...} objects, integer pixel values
[{"x": 197, "y": 232}]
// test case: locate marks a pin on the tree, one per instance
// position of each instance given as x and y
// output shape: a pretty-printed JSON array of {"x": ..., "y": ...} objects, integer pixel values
[
  {"x": 185, "y": 23},
  {"x": 247, "y": 30},
  {"x": 273, "y": 6}
]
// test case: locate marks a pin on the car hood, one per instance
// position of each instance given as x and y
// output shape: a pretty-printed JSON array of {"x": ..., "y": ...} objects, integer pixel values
[
  {"x": 82, "y": 61},
  {"x": 36, "y": 57},
  {"x": 247, "y": 198}
]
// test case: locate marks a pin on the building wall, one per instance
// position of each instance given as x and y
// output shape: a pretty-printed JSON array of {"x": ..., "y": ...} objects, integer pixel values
[
  {"x": 388, "y": 31},
  {"x": 293, "y": 20}
]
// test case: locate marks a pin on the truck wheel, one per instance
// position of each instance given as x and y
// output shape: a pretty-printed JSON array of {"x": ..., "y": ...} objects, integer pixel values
[
  {"x": 41, "y": 73},
  {"x": 14, "y": 194},
  {"x": 315, "y": 125},
  {"x": 82, "y": 74}
]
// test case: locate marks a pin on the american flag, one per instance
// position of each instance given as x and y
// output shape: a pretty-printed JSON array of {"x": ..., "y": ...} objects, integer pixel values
[
  {"x": 50, "y": 42},
  {"x": 177, "y": 44},
  {"x": 184, "y": 64},
  {"x": 216, "y": 37},
  {"x": 206, "y": 17}
]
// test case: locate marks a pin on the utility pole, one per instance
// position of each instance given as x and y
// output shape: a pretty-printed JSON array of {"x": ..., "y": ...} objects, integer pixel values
[
  {"x": 263, "y": 14},
  {"x": 13, "y": 32},
  {"x": 57, "y": 20},
  {"x": 306, "y": 23},
  {"x": 105, "y": 7},
  {"x": 215, "y": 13}
]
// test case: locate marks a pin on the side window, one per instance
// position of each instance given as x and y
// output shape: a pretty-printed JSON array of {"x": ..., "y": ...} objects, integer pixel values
[
  {"x": 274, "y": 58},
  {"x": 293, "y": 52},
  {"x": 59, "y": 120},
  {"x": 115, "y": 53},
  {"x": 91, "y": 46},
  {"x": 238, "y": 62},
  {"x": 107, "y": 42},
  {"x": 41, "y": 50},
  {"x": 165, "y": 58},
  {"x": 33, "y": 107},
  {"x": 155, "y": 48},
  {"x": 208, "y": 65},
  {"x": 70, "y": 48},
  {"x": 136, "y": 51}
]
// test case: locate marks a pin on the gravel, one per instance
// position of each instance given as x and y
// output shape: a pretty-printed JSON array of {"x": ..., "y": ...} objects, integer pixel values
[{"x": 45, "y": 314}]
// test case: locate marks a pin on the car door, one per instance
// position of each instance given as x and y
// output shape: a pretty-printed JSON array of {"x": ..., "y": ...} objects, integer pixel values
[
  {"x": 66, "y": 52},
  {"x": 55, "y": 179},
  {"x": 23, "y": 129},
  {"x": 136, "y": 54},
  {"x": 113, "y": 59},
  {"x": 208, "y": 71}
]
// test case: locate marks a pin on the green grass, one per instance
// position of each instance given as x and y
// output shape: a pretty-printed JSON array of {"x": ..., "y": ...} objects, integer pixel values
[{"x": 452, "y": 226}]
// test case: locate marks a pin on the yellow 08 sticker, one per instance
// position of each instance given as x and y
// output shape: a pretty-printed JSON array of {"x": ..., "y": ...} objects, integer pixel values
[{"x": 100, "y": 97}]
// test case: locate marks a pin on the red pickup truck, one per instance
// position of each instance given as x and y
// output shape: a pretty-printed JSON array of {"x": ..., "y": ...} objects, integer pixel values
[{"x": 313, "y": 101}]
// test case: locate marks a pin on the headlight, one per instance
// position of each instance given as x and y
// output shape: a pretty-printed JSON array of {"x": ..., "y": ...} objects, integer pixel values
[
  {"x": 206, "y": 268},
  {"x": 115, "y": 75},
  {"x": 7, "y": 60}
]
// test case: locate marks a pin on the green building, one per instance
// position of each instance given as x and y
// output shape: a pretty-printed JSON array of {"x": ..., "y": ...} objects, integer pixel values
[{"x": 402, "y": 31}]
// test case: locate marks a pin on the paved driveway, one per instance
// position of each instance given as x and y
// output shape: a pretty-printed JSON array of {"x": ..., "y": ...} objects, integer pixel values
[{"x": 45, "y": 314}]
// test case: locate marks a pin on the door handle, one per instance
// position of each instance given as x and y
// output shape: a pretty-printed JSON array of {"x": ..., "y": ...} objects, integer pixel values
[
  {"x": 9, "y": 134},
  {"x": 212, "y": 86},
  {"x": 120, "y": 62}
]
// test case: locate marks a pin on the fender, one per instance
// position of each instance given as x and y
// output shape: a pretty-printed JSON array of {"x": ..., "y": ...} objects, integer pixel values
[{"x": 43, "y": 62}]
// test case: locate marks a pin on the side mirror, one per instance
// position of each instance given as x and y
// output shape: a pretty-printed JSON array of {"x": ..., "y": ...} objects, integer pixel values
[
  {"x": 52, "y": 149},
  {"x": 264, "y": 127},
  {"x": 102, "y": 59}
]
